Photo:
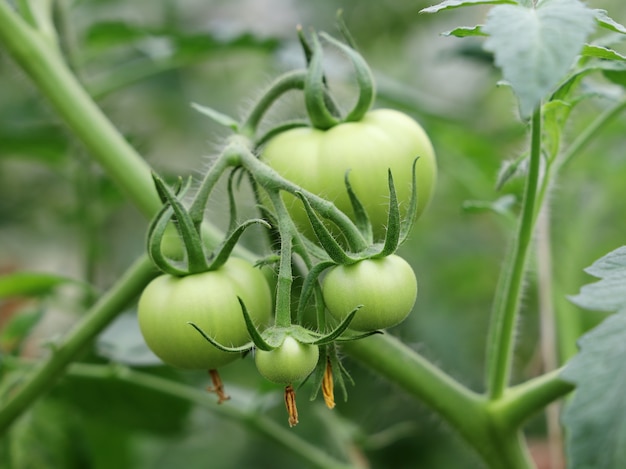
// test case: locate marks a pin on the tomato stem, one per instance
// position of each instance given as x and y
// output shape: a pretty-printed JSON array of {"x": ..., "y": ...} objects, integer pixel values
[{"x": 506, "y": 304}]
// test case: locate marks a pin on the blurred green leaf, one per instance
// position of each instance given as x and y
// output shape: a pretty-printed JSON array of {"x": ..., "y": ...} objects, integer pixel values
[
  {"x": 17, "y": 329},
  {"x": 609, "y": 293},
  {"x": 33, "y": 284},
  {"x": 607, "y": 22},
  {"x": 122, "y": 404},
  {"x": 466, "y": 31},
  {"x": 44, "y": 144},
  {"x": 590, "y": 50},
  {"x": 122, "y": 342},
  {"x": 595, "y": 418},
  {"x": 449, "y": 4},
  {"x": 535, "y": 47}
]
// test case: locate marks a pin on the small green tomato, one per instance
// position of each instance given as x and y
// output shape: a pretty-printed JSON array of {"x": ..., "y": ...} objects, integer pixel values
[
  {"x": 291, "y": 362},
  {"x": 386, "y": 288}
]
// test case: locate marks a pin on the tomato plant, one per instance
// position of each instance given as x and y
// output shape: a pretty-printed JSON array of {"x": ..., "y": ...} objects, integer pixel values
[
  {"x": 290, "y": 362},
  {"x": 383, "y": 139},
  {"x": 209, "y": 300},
  {"x": 386, "y": 288}
]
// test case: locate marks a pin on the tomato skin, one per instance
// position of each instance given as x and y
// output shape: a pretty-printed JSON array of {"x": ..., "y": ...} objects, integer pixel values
[
  {"x": 210, "y": 301},
  {"x": 291, "y": 362},
  {"x": 317, "y": 160},
  {"x": 387, "y": 289}
]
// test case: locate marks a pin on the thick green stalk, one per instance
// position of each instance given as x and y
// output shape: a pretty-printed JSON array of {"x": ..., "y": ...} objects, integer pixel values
[
  {"x": 40, "y": 58},
  {"x": 521, "y": 402},
  {"x": 467, "y": 412},
  {"x": 69, "y": 349},
  {"x": 506, "y": 307},
  {"x": 248, "y": 418}
]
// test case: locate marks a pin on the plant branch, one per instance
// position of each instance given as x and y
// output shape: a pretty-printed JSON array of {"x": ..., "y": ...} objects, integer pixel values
[
  {"x": 467, "y": 412},
  {"x": 69, "y": 349},
  {"x": 521, "y": 402},
  {"x": 247, "y": 418},
  {"x": 506, "y": 305}
]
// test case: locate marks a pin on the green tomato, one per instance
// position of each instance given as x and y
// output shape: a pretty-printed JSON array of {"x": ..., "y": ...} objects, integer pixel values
[
  {"x": 292, "y": 361},
  {"x": 317, "y": 160},
  {"x": 209, "y": 300},
  {"x": 386, "y": 288}
]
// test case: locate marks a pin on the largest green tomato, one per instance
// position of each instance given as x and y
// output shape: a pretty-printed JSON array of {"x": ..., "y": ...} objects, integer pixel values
[
  {"x": 317, "y": 160},
  {"x": 209, "y": 300}
]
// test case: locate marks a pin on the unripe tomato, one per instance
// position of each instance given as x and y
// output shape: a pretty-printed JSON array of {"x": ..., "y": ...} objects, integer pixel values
[
  {"x": 292, "y": 361},
  {"x": 209, "y": 300},
  {"x": 317, "y": 160},
  {"x": 386, "y": 287}
]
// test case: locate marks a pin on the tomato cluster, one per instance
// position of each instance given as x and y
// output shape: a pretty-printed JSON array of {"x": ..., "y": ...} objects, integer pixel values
[{"x": 341, "y": 194}]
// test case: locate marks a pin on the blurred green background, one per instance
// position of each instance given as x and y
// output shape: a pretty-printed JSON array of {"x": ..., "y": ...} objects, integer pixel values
[{"x": 145, "y": 62}]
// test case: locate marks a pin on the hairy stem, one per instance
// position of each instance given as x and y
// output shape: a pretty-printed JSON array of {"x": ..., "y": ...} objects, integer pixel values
[
  {"x": 69, "y": 348},
  {"x": 506, "y": 306},
  {"x": 469, "y": 413}
]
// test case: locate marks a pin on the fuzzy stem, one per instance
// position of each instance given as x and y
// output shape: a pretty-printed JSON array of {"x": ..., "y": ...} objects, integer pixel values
[{"x": 506, "y": 307}]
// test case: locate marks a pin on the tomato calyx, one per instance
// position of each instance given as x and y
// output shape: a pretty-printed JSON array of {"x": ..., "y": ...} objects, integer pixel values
[
  {"x": 396, "y": 233},
  {"x": 187, "y": 223},
  {"x": 316, "y": 99}
]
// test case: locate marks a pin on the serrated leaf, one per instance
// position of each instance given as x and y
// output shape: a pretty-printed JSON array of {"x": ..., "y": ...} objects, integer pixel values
[
  {"x": 595, "y": 418},
  {"x": 599, "y": 52},
  {"x": 449, "y": 4},
  {"x": 609, "y": 293},
  {"x": 535, "y": 47},
  {"x": 603, "y": 19},
  {"x": 466, "y": 31}
]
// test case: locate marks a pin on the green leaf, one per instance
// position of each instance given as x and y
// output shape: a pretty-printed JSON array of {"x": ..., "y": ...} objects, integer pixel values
[
  {"x": 216, "y": 116},
  {"x": 603, "y": 19},
  {"x": 609, "y": 293},
  {"x": 465, "y": 31},
  {"x": 32, "y": 284},
  {"x": 590, "y": 50},
  {"x": 535, "y": 47},
  {"x": 595, "y": 418},
  {"x": 14, "y": 332},
  {"x": 449, "y": 4},
  {"x": 122, "y": 342}
]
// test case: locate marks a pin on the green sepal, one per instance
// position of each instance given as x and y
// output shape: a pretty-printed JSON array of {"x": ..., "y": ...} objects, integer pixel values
[
  {"x": 306, "y": 47},
  {"x": 343, "y": 29},
  {"x": 196, "y": 260},
  {"x": 326, "y": 239},
  {"x": 361, "y": 218},
  {"x": 341, "y": 383},
  {"x": 309, "y": 286},
  {"x": 225, "y": 249},
  {"x": 315, "y": 91},
  {"x": 349, "y": 338},
  {"x": 313, "y": 249},
  {"x": 254, "y": 333},
  {"x": 340, "y": 329},
  {"x": 318, "y": 375},
  {"x": 271, "y": 133},
  {"x": 392, "y": 236},
  {"x": 217, "y": 117},
  {"x": 407, "y": 224},
  {"x": 364, "y": 78},
  {"x": 156, "y": 230},
  {"x": 217, "y": 345}
]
